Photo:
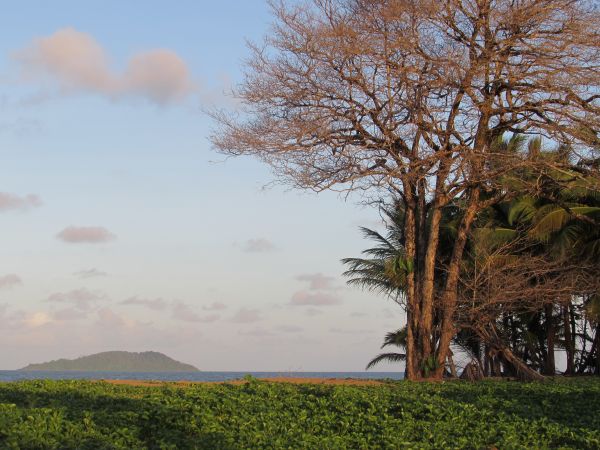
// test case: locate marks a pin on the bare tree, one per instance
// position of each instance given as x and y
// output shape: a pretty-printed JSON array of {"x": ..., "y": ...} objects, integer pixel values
[{"x": 409, "y": 95}]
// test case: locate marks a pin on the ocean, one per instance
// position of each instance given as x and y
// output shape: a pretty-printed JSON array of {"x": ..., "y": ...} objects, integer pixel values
[{"x": 16, "y": 375}]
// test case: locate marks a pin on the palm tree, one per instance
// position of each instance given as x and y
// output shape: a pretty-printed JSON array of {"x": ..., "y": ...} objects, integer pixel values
[
  {"x": 560, "y": 221},
  {"x": 384, "y": 268},
  {"x": 395, "y": 338}
]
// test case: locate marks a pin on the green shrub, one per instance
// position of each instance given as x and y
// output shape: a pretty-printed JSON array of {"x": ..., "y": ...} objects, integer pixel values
[{"x": 96, "y": 415}]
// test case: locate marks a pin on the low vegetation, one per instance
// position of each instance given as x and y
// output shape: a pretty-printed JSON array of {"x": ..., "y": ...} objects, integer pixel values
[{"x": 489, "y": 414}]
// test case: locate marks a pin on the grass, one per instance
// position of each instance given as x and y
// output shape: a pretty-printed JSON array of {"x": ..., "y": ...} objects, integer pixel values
[{"x": 489, "y": 414}]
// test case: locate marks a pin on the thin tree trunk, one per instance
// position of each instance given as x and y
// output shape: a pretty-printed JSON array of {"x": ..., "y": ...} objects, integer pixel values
[
  {"x": 452, "y": 365},
  {"x": 569, "y": 347},
  {"x": 428, "y": 283},
  {"x": 412, "y": 307},
  {"x": 450, "y": 294},
  {"x": 597, "y": 339},
  {"x": 522, "y": 370},
  {"x": 550, "y": 367}
]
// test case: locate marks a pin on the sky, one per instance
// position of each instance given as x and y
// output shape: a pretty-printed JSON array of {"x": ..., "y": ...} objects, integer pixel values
[{"x": 120, "y": 227}]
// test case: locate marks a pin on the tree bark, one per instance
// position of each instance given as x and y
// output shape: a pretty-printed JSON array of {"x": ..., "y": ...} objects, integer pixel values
[
  {"x": 550, "y": 367},
  {"x": 450, "y": 294},
  {"x": 569, "y": 344},
  {"x": 412, "y": 299},
  {"x": 452, "y": 365},
  {"x": 522, "y": 370}
]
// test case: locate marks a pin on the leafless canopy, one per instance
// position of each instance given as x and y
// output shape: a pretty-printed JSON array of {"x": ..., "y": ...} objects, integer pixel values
[{"x": 367, "y": 91}]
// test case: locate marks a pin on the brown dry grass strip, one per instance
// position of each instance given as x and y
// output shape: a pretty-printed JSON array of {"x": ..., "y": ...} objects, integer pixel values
[{"x": 327, "y": 381}]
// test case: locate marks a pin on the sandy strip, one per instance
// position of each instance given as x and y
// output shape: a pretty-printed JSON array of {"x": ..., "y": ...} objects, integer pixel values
[{"x": 327, "y": 381}]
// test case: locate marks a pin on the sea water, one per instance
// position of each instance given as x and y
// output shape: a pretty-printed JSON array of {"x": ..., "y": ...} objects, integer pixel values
[{"x": 16, "y": 375}]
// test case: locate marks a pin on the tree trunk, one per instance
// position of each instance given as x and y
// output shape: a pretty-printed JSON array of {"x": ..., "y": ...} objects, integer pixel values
[
  {"x": 412, "y": 307},
  {"x": 451, "y": 364},
  {"x": 597, "y": 338},
  {"x": 450, "y": 294},
  {"x": 428, "y": 283},
  {"x": 487, "y": 364},
  {"x": 550, "y": 367},
  {"x": 569, "y": 344},
  {"x": 522, "y": 370}
]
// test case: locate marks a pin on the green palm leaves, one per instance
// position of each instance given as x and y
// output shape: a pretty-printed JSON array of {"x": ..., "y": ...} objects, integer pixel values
[{"x": 395, "y": 338}]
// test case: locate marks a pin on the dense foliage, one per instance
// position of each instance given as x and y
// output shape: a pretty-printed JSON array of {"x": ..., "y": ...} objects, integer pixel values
[
  {"x": 490, "y": 414},
  {"x": 528, "y": 283}
]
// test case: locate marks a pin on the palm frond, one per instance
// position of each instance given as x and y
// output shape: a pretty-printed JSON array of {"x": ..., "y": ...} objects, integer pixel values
[
  {"x": 522, "y": 211},
  {"x": 551, "y": 222},
  {"x": 396, "y": 338},
  {"x": 376, "y": 236},
  {"x": 387, "y": 357}
]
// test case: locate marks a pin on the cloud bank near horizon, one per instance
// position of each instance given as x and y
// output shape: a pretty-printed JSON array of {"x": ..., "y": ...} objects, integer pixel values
[{"x": 75, "y": 62}]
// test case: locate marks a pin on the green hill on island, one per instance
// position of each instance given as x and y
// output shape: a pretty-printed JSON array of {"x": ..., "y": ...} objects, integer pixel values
[{"x": 117, "y": 361}]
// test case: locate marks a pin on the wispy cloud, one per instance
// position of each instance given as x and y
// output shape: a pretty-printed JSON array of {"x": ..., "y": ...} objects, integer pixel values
[
  {"x": 74, "y": 62},
  {"x": 83, "y": 299},
  {"x": 157, "y": 304},
  {"x": 215, "y": 306},
  {"x": 317, "y": 281},
  {"x": 88, "y": 235},
  {"x": 246, "y": 315},
  {"x": 90, "y": 273},
  {"x": 9, "y": 281},
  {"x": 182, "y": 311},
  {"x": 304, "y": 298},
  {"x": 10, "y": 201},
  {"x": 259, "y": 245}
]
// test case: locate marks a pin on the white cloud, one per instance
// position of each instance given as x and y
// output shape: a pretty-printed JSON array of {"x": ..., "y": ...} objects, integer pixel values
[
  {"x": 304, "y": 298},
  {"x": 74, "y": 61},
  {"x": 10, "y": 201},
  {"x": 88, "y": 235},
  {"x": 82, "y": 299},
  {"x": 9, "y": 281}
]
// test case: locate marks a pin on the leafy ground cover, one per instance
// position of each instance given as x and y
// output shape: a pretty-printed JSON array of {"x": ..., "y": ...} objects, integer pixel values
[{"x": 257, "y": 414}]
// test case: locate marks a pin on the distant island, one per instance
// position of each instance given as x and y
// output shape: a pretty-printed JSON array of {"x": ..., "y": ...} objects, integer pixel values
[{"x": 116, "y": 362}]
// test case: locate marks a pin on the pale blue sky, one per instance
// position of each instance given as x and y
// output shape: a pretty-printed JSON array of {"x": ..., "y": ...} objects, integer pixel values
[{"x": 203, "y": 263}]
